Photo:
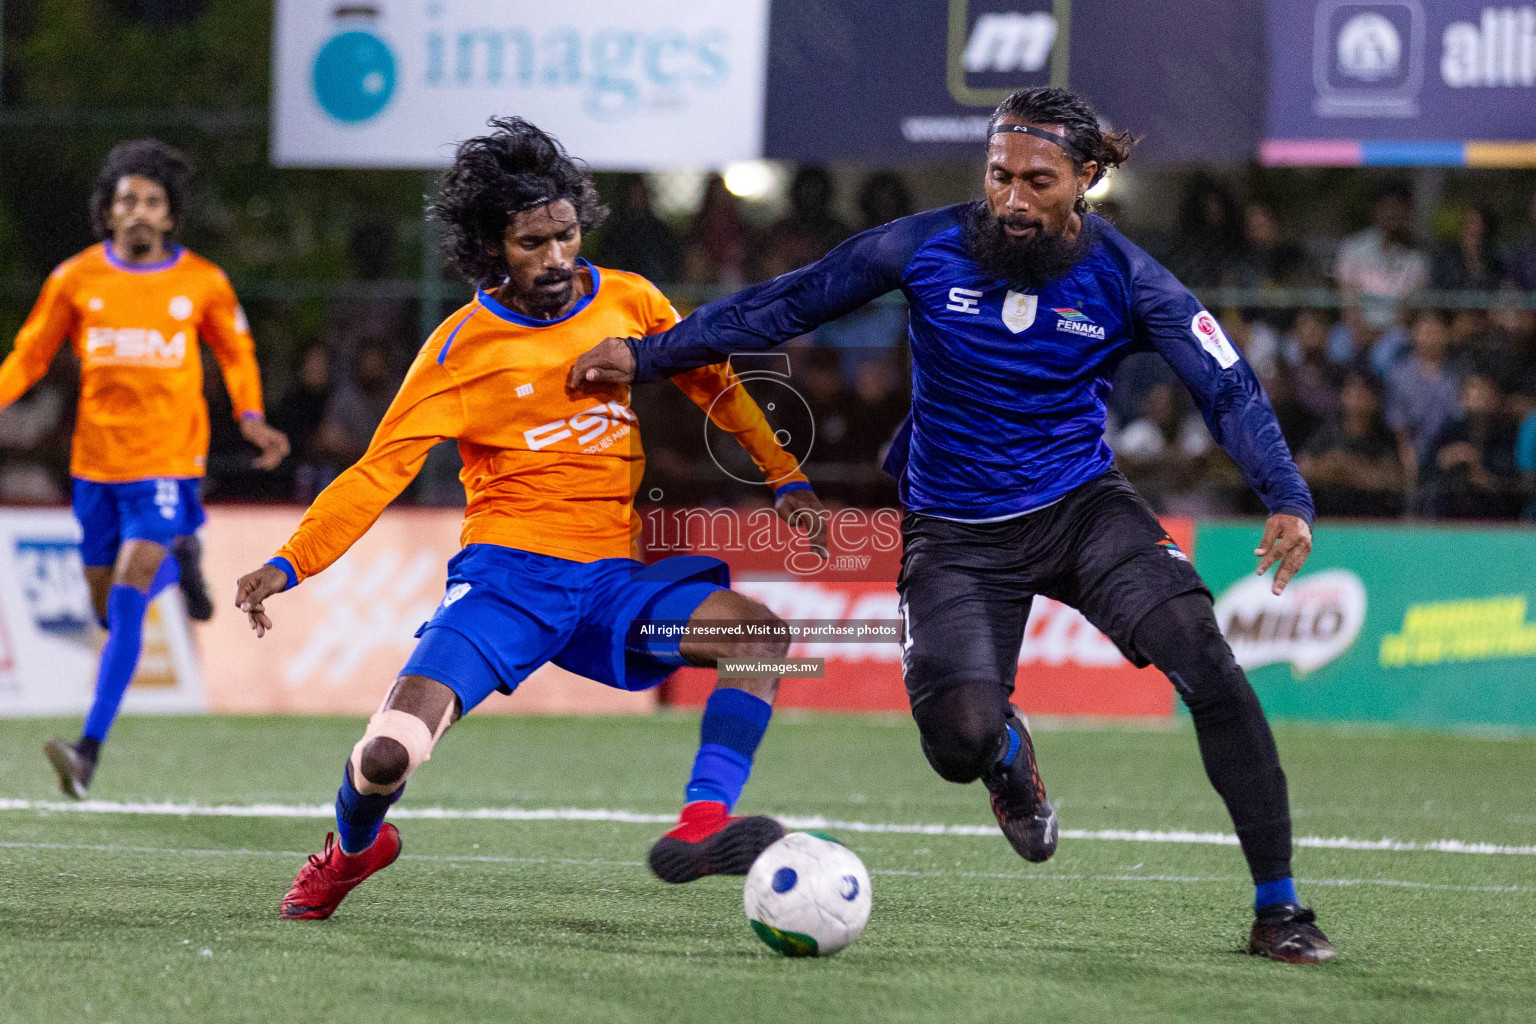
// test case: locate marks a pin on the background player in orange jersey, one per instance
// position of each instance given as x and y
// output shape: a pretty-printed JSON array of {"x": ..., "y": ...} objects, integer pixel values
[
  {"x": 135, "y": 307},
  {"x": 547, "y": 571}
]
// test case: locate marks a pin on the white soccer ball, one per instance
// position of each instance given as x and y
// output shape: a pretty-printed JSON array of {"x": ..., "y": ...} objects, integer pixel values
[{"x": 807, "y": 895}]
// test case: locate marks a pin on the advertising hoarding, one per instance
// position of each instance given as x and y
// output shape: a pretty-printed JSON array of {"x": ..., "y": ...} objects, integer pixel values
[
  {"x": 1406, "y": 82},
  {"x": 49, "y": 638},
  {"x": 624, "y": 84},
  {"x": 339, "y": 639},
  {"x": 1414, "y": 625},
  {"x": 1066, "y": 666}
]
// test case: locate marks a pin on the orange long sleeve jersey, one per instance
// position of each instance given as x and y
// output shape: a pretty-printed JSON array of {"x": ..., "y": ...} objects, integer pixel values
[
  {"x": 136, "y": 330},
  {"x": 544, "y": 471}
]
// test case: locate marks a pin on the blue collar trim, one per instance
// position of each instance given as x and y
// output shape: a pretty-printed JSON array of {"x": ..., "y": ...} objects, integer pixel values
[
  {"x": 142, "y": 268},
  {"x": 515, "y": 317}
]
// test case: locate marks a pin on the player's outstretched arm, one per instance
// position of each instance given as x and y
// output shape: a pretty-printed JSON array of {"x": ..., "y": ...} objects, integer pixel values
[
  {"x": 427, "y": 410},
  {"x": 1171, "y": 321},
  {"x": 860, "y": 270},
  {"x": 46, "y": 327},
  {"x": 252, "y": 591},
  {"x": 225, "y": 329}
]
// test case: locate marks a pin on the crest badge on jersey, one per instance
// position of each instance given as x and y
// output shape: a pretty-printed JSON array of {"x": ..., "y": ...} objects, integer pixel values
[{"x": 1019, "y": 311}]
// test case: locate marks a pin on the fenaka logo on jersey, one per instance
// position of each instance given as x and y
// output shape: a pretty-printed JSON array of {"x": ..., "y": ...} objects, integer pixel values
[
  {"x": 1311, "y": 624},
  {"x": 1075, "y": 321},
  {"x": 586, "y": 427},
  {"x": 1019, "y": 311},
  {"x": 1213, "y": 339},
  {"x": 134, "y": 346}
]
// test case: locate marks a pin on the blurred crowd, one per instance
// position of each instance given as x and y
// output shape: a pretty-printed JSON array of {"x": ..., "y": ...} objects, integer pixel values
[
  {"x": 1402, "y": 387},
  {"x": 1415, "y": 396}
]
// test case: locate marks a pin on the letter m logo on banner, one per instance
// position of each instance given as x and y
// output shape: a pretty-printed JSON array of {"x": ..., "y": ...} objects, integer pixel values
[{"x": 996, "y": 47}]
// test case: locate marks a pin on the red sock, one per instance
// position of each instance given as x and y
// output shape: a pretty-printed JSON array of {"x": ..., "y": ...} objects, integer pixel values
[{"x": 700, "y": 820}]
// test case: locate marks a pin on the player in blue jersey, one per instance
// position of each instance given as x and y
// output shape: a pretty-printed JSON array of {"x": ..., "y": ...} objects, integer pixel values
[{"x": 1021, "y": 306}]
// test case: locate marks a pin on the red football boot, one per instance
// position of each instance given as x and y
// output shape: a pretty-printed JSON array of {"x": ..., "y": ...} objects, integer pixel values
[
  {"x": 708, "y": 841},
  {"x": 324, "y": 882}
]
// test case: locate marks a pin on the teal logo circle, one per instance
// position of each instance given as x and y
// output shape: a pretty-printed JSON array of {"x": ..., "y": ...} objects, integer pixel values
[{"x": 354, "y": 76}]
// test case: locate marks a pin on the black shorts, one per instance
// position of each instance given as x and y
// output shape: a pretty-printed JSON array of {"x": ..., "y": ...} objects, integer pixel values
[{"x": 966, "y": 588}]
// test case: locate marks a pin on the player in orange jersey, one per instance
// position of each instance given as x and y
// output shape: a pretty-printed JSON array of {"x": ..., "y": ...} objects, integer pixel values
[
  {"x": 547, "y": 572},
  {"x": 136, "y": 306}
]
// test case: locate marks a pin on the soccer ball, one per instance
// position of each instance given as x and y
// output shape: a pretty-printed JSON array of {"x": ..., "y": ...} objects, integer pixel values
[{"x": 807, "y": 895}]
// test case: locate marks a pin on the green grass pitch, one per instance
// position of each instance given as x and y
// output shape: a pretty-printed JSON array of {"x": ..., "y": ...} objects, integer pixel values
[{"x": 130, "y": 918}]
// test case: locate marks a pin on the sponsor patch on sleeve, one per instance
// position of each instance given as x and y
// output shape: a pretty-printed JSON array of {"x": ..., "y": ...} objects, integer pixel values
[{"x": 1213, "y": 339}]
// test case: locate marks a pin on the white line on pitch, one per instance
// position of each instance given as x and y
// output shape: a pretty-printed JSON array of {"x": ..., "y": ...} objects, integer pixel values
[
  {"x": 1181, "y": 837},
  {"x": 295, "y": 855}
]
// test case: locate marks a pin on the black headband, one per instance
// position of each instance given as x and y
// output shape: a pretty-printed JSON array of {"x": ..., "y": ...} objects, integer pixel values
[{"x": 1041, "y": 133}]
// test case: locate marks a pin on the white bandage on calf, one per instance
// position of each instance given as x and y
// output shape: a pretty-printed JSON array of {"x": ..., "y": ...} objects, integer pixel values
[{"x": 405, "y": 729}]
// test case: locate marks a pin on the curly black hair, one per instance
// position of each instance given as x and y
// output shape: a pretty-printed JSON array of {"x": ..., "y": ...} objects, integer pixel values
[
  {"x": 515, "y": 168},
  {"x": 1060, "y": 108},
  {"x": 147, "y": 158}
]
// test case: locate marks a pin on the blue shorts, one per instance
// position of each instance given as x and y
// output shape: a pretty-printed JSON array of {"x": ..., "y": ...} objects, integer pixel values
[
  {"x": 506, "y": 612},
  {"x": 160, "y": 510}
]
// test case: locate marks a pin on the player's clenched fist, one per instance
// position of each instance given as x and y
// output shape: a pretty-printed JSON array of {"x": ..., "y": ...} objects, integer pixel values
[
  {"x": 610, "y": 361},
  {"x": 255, "y": 587}
]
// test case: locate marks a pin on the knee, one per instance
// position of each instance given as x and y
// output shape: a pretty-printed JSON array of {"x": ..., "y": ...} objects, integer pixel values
[
  {"x": 961, "y": 756},
  {"x": 1209, "y": 681},
  {"x": 961, "y": 739},
  {"x": 1182, "y": 638},
  {"x": 767, "y": 640},
  {"x": 395, "y": 744},
  {"x": 766, "y": 636},
  {"x": 383, "y": 762},
  {"x": 773, "y": 645}
]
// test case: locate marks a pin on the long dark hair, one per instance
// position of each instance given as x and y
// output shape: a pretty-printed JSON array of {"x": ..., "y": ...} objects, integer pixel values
[
  {"x": 1059, "y": 108},
  {"x": 146, "y": 158},
  {"x": 517, "y": 167}
]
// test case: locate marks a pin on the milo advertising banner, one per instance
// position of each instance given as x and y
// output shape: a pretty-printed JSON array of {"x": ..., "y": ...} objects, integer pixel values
[{"x": 1412, "y": 625}]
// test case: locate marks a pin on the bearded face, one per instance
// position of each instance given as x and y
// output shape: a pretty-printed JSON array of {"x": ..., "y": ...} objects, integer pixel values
[{"x": 1020, "y": 249}]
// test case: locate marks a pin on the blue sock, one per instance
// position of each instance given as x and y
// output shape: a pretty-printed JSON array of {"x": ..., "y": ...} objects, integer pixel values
[
  {"x": 359, "y": 816},
  {"x": 733, "y": 725},
  {"x": 1269, "y": 894},
  {"x": 120, "y": 656},
  {"x": 167, "y": 575}
]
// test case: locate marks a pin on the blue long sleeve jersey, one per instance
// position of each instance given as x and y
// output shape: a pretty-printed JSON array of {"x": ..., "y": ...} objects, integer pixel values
[{"x": 1008, "y": 387}]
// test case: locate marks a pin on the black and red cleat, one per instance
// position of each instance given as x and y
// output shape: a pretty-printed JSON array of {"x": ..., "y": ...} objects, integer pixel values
[
  {"x": 324, "y": 882},
  {"x": 708, "y": 841},
  {"x": 1289, "y": 933},
  {"x": 1025, "y": 815}
]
